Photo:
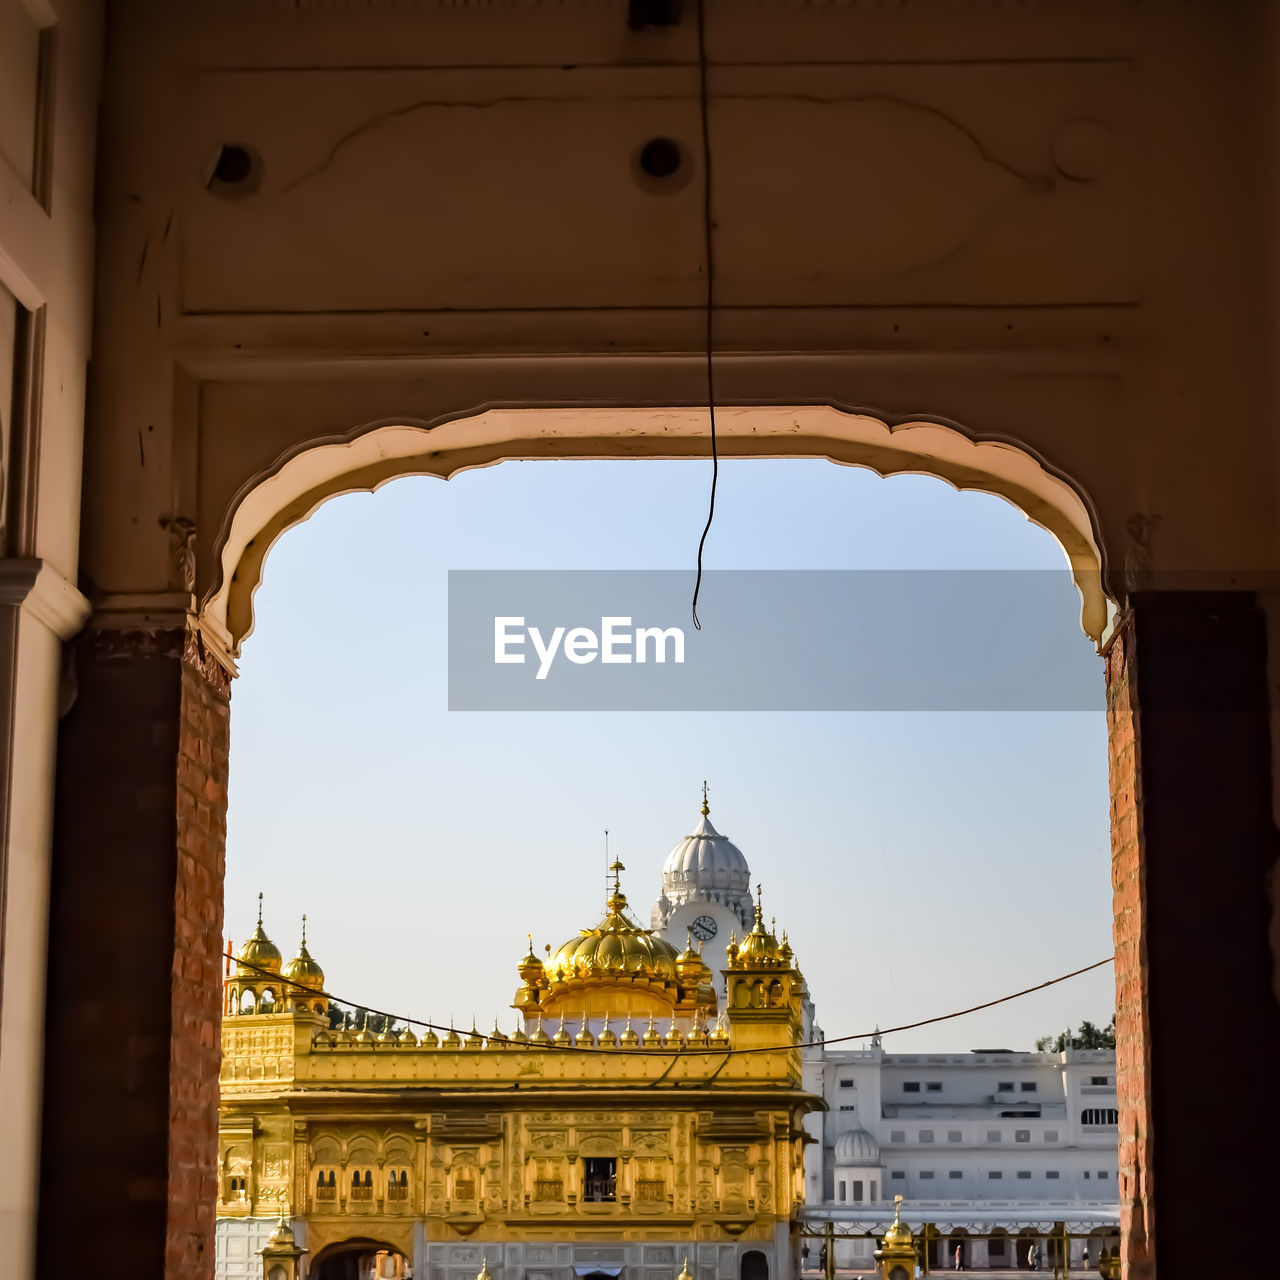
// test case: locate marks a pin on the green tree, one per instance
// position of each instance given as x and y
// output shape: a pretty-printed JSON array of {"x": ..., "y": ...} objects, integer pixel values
[{"x": 1087, "y": 1036}]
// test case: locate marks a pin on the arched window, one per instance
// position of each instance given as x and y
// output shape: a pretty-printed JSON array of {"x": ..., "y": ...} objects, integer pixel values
[
  {"x": 362, "y": 1184},
  {"x": 268, "y": 1002},
  {"x": 246, "y": 1001},
  {"x": 398, "y": 1185}
]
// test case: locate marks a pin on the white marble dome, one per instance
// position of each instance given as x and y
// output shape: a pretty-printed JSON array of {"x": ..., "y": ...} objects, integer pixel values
[
  {"x": 857, "y": 1146},
  {"x": 706, "y": 867}
]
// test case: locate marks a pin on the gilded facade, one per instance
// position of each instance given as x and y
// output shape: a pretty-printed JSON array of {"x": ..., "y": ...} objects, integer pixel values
[{"x": 631, "y": 1119}]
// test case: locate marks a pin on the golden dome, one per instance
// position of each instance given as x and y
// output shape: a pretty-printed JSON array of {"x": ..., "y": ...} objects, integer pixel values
[
  {"x": 303, "y": 969},
  {"x": 899, "y": 1234},
  {"x": 430, "y": 1040},
  {"x": 562, "y": 1036},
  {"x": 258, "y": 953},
  {"x": 629, "y": 1039},
  {"x": 608, "y": 1037},
  {"x": 617, "y": 946},
  {"x": 759, "y": 949},
  {"x": 531, "y": 967},
  {"x": 407, "y": 1038},
  {"x": 540, "y": 1035}
]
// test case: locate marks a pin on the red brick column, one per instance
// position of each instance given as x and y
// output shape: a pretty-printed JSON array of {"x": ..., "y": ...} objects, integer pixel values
[
  {"x": 132, "y": 1053},
  {"x": 195, "y": 1049},
  {"x": 1128, "y": 882},
  {"x": 1193, "y": 844}
]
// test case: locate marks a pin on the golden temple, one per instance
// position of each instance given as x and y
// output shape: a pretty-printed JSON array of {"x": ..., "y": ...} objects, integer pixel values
[{"x": 626, "y": 1122}]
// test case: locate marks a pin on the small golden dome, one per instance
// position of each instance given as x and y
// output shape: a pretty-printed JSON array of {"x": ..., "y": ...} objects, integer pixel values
[
  {"x": 430, "y": 1040},
  {"x": 899, "y": 1234},
  {"x": 629, "y": 1039},
  {"x": 719, "y": 1035},
  {"x": 496, "y": 1039},
  {"x": 302, "y": 970},
  {"x": 258, "y": 953},
  {"x": 474, "y": 1039},
  {"x": 584, "y": 1039},
  {"x": 685, "y": 1273},
  {"x": 540, "y": 1034},
  {"x": 453, "y": 1040},
  {"x": 364, "y": 1036},
  {"x": 651, "y": 1037},
  {"x": 408, "y": 1039},
  {"x": 531, "y": 967},
  {"x": 673, "y": 1039},
  {"x": 562, "y": 1036},
  {"x": 518, "y": 1036},
  {"x": 387, "y": 1036},
  {"x": 608, "y": 1037},
  {"x": 759, "y": 949}
]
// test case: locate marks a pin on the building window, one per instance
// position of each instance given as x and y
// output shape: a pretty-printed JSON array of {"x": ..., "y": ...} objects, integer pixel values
[
  {"x": 848, "y": 1107},
  {"x": 875, "y": 1190},
  {"x": 954, "y": 1174},
  {"x": 398, "y": 1185},
  {"x": 650, "y": 1191},
  {"x": 934, "y": 1086},
  {"x": 995, "y": 1247},
  {"x": 1100, "y": 1080},
  {"x": 857, "y": 1192},
  {"x": 1051, "y": 1135},
  {"x": 846, "y": 1084},
  {"x": 954, "y": 1135},
  {"x": 1028, "y": 1086},
  {"x": 1100, "y": 1115},
  {"x": 237, "y": 1187},
  {"x": 926, "y": 1135},
  {"x": 362, "y": 1184},
  {"x": 599, "y": 1179},
  {"x": 911, "y": 1086},
  {"x": 326, "y": 1185},
  {"x": 1005, "y": 1086},
  {"x": 897, "y": 1135},
  {"x": 926, "y": 1173},
  {"x": 1022, "y": 1135},
  {"x": 897, "y": 1175},
  {"x": 548, "y": 1189},
  {"x": 1052, "y": 1174},
  {"x": 1102, "y": 1173},
  {"x": 994, "y": 1174},
  {"x": 843, "y": 1196},
  {"x": 1024, "y": 1174},
  {"x": 1086, "y": 1174},
  {"x": 465, "y": 1188},
  {"x": 993, "y": 1135}
]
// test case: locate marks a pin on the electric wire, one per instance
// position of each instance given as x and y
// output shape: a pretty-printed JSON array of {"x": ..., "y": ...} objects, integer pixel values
[
  {"x": 709, "y": 260},
  {"x": 508, "y": 1043}
]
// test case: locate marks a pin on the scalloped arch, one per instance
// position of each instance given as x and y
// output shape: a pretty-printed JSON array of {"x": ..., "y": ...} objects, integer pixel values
[{"x": 375, "y": 453}]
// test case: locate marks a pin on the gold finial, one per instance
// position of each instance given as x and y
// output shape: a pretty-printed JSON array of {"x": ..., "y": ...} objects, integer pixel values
[
  {"x": 759, "y": 906},
  {"x": 304, "y": 928},
  {"x": 484, "y": 1273},
  {"x": 706, "y": 809},
  {"x": 685, "y": 1273},
  {"x": 259, "y": 910}
]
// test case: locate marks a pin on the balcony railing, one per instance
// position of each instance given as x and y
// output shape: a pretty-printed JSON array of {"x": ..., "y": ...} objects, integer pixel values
[{"x": 548, "y": 1189}]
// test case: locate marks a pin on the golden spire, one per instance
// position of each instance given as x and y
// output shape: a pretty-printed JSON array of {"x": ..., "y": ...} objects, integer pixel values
[
  {"x": 760, "y": 907},
  {"x": 304, "y": 928},
  {"x": 484, "y": 1273},
  {"x": 685, "y": 1273},
  {"x": 259, "y": 908},
  {"x": 706, "y": 811}
]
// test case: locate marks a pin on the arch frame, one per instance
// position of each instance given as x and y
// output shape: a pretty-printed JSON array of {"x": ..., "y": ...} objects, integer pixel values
[{"x": 374, "y": 453}]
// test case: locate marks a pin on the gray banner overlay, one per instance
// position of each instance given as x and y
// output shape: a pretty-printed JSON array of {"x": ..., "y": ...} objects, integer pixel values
[{"x": 782, "y": 640}]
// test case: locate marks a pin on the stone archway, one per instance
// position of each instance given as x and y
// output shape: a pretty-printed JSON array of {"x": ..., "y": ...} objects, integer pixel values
[{"x": 372, "y": 454}]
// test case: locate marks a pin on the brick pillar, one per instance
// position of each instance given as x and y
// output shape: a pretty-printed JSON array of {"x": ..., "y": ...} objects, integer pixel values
[
  {"x": 131, "y": 1074},
  {"x": 1193, "y": 847}
]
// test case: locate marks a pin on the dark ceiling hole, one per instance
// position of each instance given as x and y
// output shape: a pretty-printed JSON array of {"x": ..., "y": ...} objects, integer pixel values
[
  {"x": 660, "y": 157},
  {"x": 653, "y": 13},
  {"x": 234, "y": 164}
]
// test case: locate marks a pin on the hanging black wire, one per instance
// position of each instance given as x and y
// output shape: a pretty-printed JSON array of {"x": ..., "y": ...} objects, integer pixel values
[{"x": 709, "y": 260}]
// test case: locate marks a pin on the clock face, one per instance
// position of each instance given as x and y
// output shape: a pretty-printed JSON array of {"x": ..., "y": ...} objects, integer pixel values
[{"x": 704, "y": 928}]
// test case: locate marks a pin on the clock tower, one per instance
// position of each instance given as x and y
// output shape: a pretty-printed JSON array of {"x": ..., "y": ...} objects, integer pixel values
[{"x": 706, "y": 892}]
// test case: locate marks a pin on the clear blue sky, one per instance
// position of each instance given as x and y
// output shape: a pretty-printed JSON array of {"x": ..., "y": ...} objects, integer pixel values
[{"x": 921, "y": 862}]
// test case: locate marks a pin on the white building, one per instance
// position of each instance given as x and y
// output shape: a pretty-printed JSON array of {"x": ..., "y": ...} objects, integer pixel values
[{"x": 995, "y": 1149}]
